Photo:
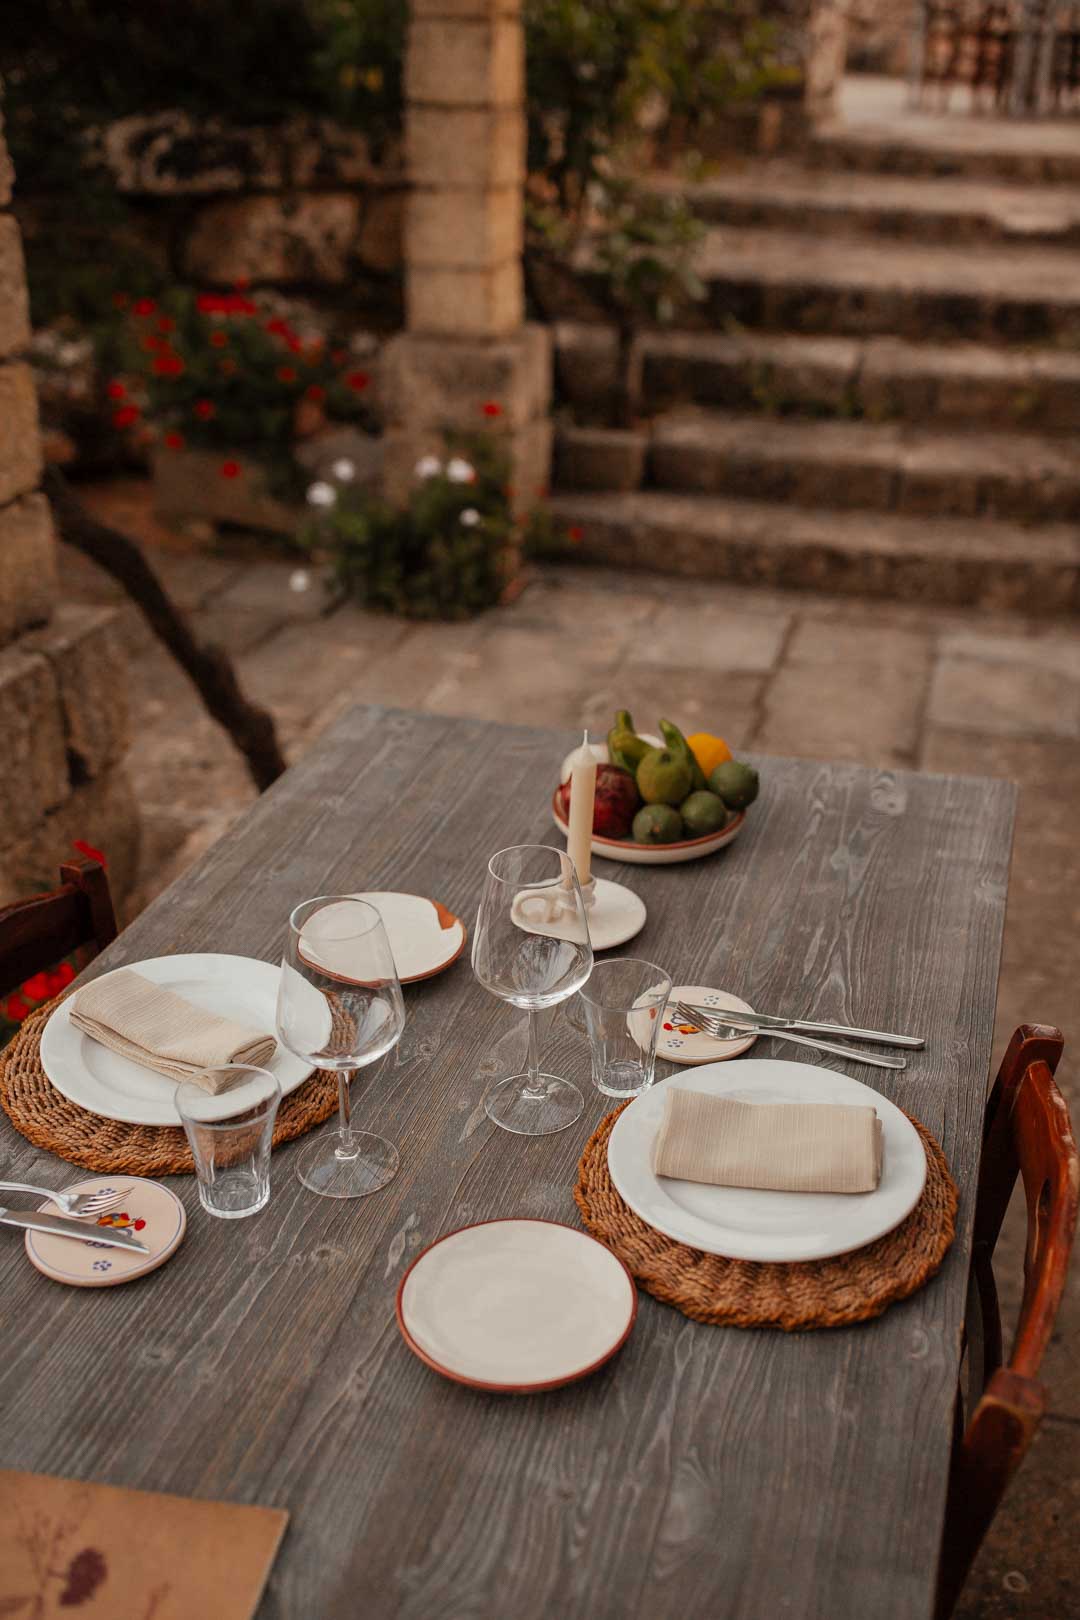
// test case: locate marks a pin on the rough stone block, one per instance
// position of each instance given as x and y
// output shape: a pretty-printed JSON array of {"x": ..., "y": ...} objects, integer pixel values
[
  {"x": 530, "y": 460},
  {"x": 84, "y": 647},
  {"x": 14, "y": 302},
  {"x": 467, "y": 229},
  {"x": 20, "y": 439},
  {"x": 309, "y": 238},
  {"x": 600, "y": 458},
  {"x": 466, "y": 8},
  {"x": 189, "y": 485},
  {"x": 103, "y": 813},
  {"x": 379, "y": 240},
  {"x": 27, "y": 565},
  {"x": 466, "y": 303},
  {"x": 466, "y": 146},
  {"x": 7, "y": 169},
  {"x": 35, "y": 776},
  {"x": 465, "y": 64},
  {"x": 439, "y": 381}
]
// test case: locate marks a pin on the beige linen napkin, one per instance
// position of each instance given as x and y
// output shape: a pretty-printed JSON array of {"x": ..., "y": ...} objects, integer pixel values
[
  {"x": 783, "y": 1147},
  {"x": 152, "y": 1026}
]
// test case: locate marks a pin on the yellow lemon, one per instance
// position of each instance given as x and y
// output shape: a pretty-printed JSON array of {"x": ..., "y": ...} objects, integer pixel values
[{"x": 708, "y": 751}]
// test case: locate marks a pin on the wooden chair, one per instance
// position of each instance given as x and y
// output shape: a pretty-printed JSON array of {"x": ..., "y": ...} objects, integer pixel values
[
  {"x": 78, "y": 916},
  {"x": 1027, "y": 1133}
]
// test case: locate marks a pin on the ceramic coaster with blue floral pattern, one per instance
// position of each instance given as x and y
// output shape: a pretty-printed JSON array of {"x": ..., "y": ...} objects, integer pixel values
[{"x": 147, "y": 1210}]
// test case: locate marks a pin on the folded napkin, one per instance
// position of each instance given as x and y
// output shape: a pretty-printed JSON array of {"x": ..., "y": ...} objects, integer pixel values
[
  {"x": 784, "y": 1147},
  {"x": 152, "y": 1026}
]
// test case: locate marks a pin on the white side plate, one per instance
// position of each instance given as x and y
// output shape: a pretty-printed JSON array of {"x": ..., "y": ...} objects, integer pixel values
[
  {"x": 424, "y": 937},
  {"x": 517, "y": 1306},
  {"x": 115, "y": 1087},
  {"x": 746, "y": 1224}
]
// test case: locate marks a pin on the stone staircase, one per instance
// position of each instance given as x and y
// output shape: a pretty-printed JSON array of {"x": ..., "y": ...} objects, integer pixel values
[{"x": 881, "y": 394}]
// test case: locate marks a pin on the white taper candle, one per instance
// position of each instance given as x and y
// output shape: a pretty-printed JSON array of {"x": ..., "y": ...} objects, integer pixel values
[{"x": 582, "y": 799}]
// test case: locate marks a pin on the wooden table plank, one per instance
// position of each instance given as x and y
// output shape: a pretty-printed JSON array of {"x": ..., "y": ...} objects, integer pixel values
[{"x": 706, "y": 1472}]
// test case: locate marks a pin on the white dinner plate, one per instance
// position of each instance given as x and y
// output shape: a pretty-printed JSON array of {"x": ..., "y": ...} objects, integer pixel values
[
  {"x": 516, "y": 1306},
  {"x": 747, "y": 1224},
  {"x": 424, "y": 937},
  {"x": 116, "y": 1088},
  {"x": 625, "y": 849}
]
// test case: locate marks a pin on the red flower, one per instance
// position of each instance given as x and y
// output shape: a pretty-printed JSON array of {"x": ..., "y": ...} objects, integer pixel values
[
  {"x": 168, "y": 364},
  {"x": 315, "y": 391},
  {"x": 56, "y": 983},
  {"x": 90, "y": 852},
  {"x": 293, "y": 343},
  {"x": 116, "y": 390},
  {"x": 231, "y": 469},
  {"x": 120, "y": 300},
  {"x": 227, "y": 367},
  {"x": 358, "y": 380},
  {"x": 219, "y": 339},
  {"x": 145, "y": 306},
  {"x": 204, "y": 409},
  {"x": 36, "y": 987},
  {"x": 286, "y": 374},
  {"x": 166, "y": 324},
  {"x": 339, "y": 356},
  {"x": 174, "y": 440},
  {"x": 576, "y": 535},
  {"x": 278, "y": 327},
  {"x": 492, "y": 409},
  {"x": 242, "y": 283},
  {"x": 126, "y": 416},
  {"x": 65, "y": 973},
  {"x": 15, "y": 1009}
]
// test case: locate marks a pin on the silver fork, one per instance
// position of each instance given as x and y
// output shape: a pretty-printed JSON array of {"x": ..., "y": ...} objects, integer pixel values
[
  {"x": 77, "y": 1204},
  {"x": 719, "y": 1031}
]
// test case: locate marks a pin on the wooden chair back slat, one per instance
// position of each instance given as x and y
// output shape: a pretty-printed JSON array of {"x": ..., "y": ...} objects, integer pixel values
[{"x": 35, "y": 934}]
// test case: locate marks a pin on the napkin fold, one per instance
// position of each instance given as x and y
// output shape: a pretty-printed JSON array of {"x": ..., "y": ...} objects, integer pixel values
[
  {"x": 153, "y": 1026},
  {"x": 782, "y": 1147}
]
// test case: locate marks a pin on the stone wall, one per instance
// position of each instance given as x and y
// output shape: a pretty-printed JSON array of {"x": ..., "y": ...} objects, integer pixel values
[
  {"x": 879, "y": 35},
  {"x": 63, "y": 712}
]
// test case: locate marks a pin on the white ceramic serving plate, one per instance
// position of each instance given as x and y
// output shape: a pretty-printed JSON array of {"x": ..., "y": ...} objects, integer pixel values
[
  {"x": 115, "y": 1087},
  {"x": 516, "y": 1306},
  {"x": 743, "y": 1223},
  {"x": 624, "y": 849},
  {"x": 424, "y": 937}
]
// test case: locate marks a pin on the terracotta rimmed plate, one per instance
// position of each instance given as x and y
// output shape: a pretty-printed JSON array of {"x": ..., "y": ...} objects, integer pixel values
[
  {"x": 516, "y": 1306},
  {"x": 680, "y": 1044},
  {"x": 424, "y": 936},
  {"x": 149, "y": 1211},
  {"x": 625, "y": 849}
]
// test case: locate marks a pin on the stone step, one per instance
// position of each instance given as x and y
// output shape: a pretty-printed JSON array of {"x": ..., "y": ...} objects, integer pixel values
[
  {"x": 878, "y": 378},
  {"x": 796, "y": 281},
  {"x": 954, "y": 561},
  {"x": 956, "y": 211},
  {"x": 885, "y": 467}
]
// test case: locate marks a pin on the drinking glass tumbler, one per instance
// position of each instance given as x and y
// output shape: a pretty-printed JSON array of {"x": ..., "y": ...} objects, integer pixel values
[
  {"x": 230, "y": 1131},
  {"x": 623, "y": 1004}
]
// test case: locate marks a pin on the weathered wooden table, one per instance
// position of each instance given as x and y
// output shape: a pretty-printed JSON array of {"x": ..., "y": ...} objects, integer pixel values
[{"x": 706, "y": 1474}]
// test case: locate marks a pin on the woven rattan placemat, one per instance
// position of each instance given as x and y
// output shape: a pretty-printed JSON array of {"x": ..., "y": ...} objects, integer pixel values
[
  {"x": 46, "y": 1117},
  {"x": 745, "y": 1293}
]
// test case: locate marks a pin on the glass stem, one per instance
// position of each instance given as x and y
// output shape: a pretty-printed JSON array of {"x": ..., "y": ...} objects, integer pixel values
[
  {"x": 534, "y": 1085},
  {"x": 345, "y": 1108}
]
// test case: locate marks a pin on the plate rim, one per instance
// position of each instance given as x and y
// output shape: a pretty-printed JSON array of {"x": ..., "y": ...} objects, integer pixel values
[
  {"x": 63, "y": 1010},
  {"x": 758, "y": 1259},
  {"x": 432, "y": 973},
  {"x": 506, "y": 1388}
]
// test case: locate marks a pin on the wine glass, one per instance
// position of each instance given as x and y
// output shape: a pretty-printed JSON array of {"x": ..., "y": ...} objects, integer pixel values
[
  {"x": 532, "y": 948},
  {"x": 340, "y": 1007}
]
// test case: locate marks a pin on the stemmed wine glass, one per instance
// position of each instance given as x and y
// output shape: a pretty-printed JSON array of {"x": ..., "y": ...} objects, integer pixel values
[
  {"x": 340, "y": 1007},
  {"x": 532, "y": 948}
]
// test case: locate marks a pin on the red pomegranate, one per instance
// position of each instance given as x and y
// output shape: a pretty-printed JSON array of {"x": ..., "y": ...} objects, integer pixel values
[{"x": 617, "y": 801}]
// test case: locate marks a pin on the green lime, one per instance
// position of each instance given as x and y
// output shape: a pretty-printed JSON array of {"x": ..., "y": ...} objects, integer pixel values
[
  {"x": 735, "y": 783},
  {"x": 703, "y": 813},
  {"x": 657, "y": 824}
]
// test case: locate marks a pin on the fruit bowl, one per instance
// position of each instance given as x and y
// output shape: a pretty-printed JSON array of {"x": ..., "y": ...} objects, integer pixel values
[{"x": 635, "y": 854}]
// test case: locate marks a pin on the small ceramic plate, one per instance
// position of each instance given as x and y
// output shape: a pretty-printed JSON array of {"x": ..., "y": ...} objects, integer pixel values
[
  {"x": 681, "y": 1044},
  {"x": 149, "y": 1212},
  {"x": 624, "y": 849},
  {"x": 516, "y": 1306},
  {"x": 116, "y": 1088},
  {"x": 745, "y": 1223},
  {"x": 424, "y": 937}
]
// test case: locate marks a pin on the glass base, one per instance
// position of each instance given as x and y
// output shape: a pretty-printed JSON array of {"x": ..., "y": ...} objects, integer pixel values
[
  {"x": 553, "y": 1109},
  {"x": 325, "y": 1169}
]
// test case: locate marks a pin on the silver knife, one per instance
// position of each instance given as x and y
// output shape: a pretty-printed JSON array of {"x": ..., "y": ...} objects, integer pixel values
[
  {"x": 63, "y": 1226},
  {"x": 811, "y": 1026}
]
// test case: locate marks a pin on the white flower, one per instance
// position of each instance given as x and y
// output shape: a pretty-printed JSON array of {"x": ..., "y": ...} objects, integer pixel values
[
  {"x": 299, "y": 580},
  {"x": 428, "y": 467},
  {"x": 344, "y": 470},
  {"x": 321, "y": 494},
  {"x": 470, "y": 517},
  {"x": 459, "y": 471}
]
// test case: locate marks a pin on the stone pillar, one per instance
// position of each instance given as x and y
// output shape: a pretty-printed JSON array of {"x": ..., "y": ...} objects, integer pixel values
[
  {"x": 466, "y": 359},
  {"x": 812, "y": 38},
  {"x": 63, "y": 713}
]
